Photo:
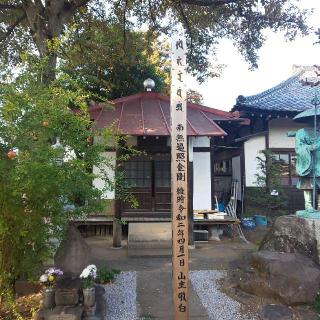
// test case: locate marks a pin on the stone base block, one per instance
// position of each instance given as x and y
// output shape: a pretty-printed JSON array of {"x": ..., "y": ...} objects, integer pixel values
[
  {"x": 66, "y": 297},
  {"x": 61, "y": 313},
  {"x": 90, "y": 311},
  {"x": 155, "y": 235}
]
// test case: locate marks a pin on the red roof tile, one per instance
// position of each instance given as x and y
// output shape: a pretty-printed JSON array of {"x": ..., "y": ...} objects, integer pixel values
[{"x": 148, "y": 114}]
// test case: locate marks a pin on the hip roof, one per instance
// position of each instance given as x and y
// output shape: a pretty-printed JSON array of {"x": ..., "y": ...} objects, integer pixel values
[
  {"x": 148, "y": 114},
  {"x": 288, "y": 96}
]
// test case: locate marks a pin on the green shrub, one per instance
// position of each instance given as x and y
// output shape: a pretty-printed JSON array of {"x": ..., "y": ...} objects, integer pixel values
[
  {"x": 259, "y": 199},
  {"x": 106, "y": 275},
  {"x": 316, "y": 303}
]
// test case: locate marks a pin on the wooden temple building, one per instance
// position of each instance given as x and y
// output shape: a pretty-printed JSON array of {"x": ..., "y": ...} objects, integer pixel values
[{"x": 145, "y": 118}]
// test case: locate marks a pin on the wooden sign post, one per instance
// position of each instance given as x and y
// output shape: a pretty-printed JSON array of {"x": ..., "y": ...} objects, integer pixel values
[{"x": 179, "y": 178}]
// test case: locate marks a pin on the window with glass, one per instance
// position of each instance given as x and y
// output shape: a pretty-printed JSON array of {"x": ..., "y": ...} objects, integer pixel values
[
  {"x": 286, "y": 161},
  {"x": 223, "y": 167},
  {"x": 162, "y": 173},
  {"x": 138, "y": 173}
]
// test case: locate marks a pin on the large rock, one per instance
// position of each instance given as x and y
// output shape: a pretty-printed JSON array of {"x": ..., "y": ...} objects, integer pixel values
[
  {"x": 275, "y": 312},
  {"x": 73, "y": 253},
  {"x": 294, "y": 234},
  {"x": 290, "y": 278}
]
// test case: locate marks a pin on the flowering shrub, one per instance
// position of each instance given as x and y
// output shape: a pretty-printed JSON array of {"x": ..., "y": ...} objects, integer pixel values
[
  {"x": 88, "y": 276},
  {"x": 50, "y": 276}
]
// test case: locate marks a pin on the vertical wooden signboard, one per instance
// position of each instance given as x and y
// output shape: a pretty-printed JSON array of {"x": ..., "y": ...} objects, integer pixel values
[{"x": 179, "y": 178}]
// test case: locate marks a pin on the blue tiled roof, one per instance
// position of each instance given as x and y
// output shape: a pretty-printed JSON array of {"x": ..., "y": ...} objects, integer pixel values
[{"x": 288, "y": 96}]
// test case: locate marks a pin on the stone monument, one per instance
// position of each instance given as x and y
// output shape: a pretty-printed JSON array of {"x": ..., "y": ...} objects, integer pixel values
[
  {"x": 73, "y": 253},
  {"x": 72, "y": 257}
]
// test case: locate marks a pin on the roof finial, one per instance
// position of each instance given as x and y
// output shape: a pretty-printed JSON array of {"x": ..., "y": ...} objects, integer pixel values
[{"x": 149, "y": 84}]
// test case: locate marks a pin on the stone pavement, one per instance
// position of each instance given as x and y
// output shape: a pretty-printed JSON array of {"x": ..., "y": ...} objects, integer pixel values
[
  {"x": 154, "y": 296},
  {"x": 154, "y": 289}
]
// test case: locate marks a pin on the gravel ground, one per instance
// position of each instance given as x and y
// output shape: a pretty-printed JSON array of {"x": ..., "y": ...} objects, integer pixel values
[
  {"x": 218, "y": 305},
  {"x": 121, "y": 297}
]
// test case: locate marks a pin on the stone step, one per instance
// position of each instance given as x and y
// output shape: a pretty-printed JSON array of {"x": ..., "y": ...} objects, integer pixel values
[{"x": 150, "y": 235}]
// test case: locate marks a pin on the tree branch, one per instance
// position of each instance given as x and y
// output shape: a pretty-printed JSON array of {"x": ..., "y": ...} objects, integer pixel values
[
  {"x": 187, "y": 24},
  {"x": 11, "y": 28},
  {"x": 79, "y": 3},
  {"x": 124, "y": 18},
  {"x": 208, "y": 3},
  {"x": 10, "y": 7}
]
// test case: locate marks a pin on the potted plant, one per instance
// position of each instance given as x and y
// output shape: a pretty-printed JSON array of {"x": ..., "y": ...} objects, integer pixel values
[
  {"x": 48, "y": 279},
  {"x": 88, "y": 277}
]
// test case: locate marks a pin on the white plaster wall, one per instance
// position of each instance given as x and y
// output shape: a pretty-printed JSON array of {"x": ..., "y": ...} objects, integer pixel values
[
  {"x": 200, "y": 141},
  {"x": 99, "y": 183},
  {"x": 251, "y": 150},
  {"x": 278, "y": 129},
  {"x": 201, "y": 181},
  {"x": 190, "y": 149},
  {"x": 236, "y": 173}
]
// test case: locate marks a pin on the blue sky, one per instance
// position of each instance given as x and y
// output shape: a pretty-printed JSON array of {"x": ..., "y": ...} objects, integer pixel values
[{"x": 277, "y": 58}]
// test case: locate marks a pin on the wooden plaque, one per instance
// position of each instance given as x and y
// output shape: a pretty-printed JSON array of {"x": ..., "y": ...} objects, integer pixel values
[{"x": 179, "y": 178}]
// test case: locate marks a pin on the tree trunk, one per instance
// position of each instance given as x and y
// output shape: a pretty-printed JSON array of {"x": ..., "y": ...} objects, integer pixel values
[
  {"x": 46, "y": 22},
  {"x": 49, "y": 72}
]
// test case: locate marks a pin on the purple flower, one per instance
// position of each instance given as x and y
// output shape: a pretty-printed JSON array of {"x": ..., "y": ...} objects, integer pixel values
[{"x": 54, "y": 272}]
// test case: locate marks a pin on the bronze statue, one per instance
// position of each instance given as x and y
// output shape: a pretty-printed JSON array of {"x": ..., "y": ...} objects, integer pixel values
[{"x": 307, "y": 149}]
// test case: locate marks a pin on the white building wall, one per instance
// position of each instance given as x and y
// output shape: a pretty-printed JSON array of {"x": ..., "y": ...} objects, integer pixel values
[
  {"x": 100, "y": 183},
  {"x": 278, "y": 129},
  {"x": 201, "y": 181},
  {"x": 200, "y": 141},
  {"x": 251, "y": 150}
]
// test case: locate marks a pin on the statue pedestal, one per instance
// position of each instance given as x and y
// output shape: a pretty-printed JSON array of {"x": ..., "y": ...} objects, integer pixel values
[
  {"x": 308, "y": 214},
  {"x": 295, "y": 234}
]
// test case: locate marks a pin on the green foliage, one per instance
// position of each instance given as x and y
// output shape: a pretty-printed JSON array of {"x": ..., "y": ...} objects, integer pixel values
[
  {"x": 121, "y": 65},
  {"x": 106, "y": 275},
  {"x": 37, "y": 25},
  {"x": 43, "y": 187},
  {"x": 259, "y": 199},
  {"x": 194, "y": 96},
  {"x": 316, "y": 304}
]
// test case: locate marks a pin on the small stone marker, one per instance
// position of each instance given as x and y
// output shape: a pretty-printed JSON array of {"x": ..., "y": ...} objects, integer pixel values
[{"x": 73, "y": 253}]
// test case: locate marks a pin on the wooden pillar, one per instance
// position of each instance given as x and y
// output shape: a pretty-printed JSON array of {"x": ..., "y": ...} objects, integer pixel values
[
  {"x": 243, "y": 179},
  {"x": 190, "y": 204},
  {"x": 213, "y": 191},
  {"x": 117, "y": 226}
]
